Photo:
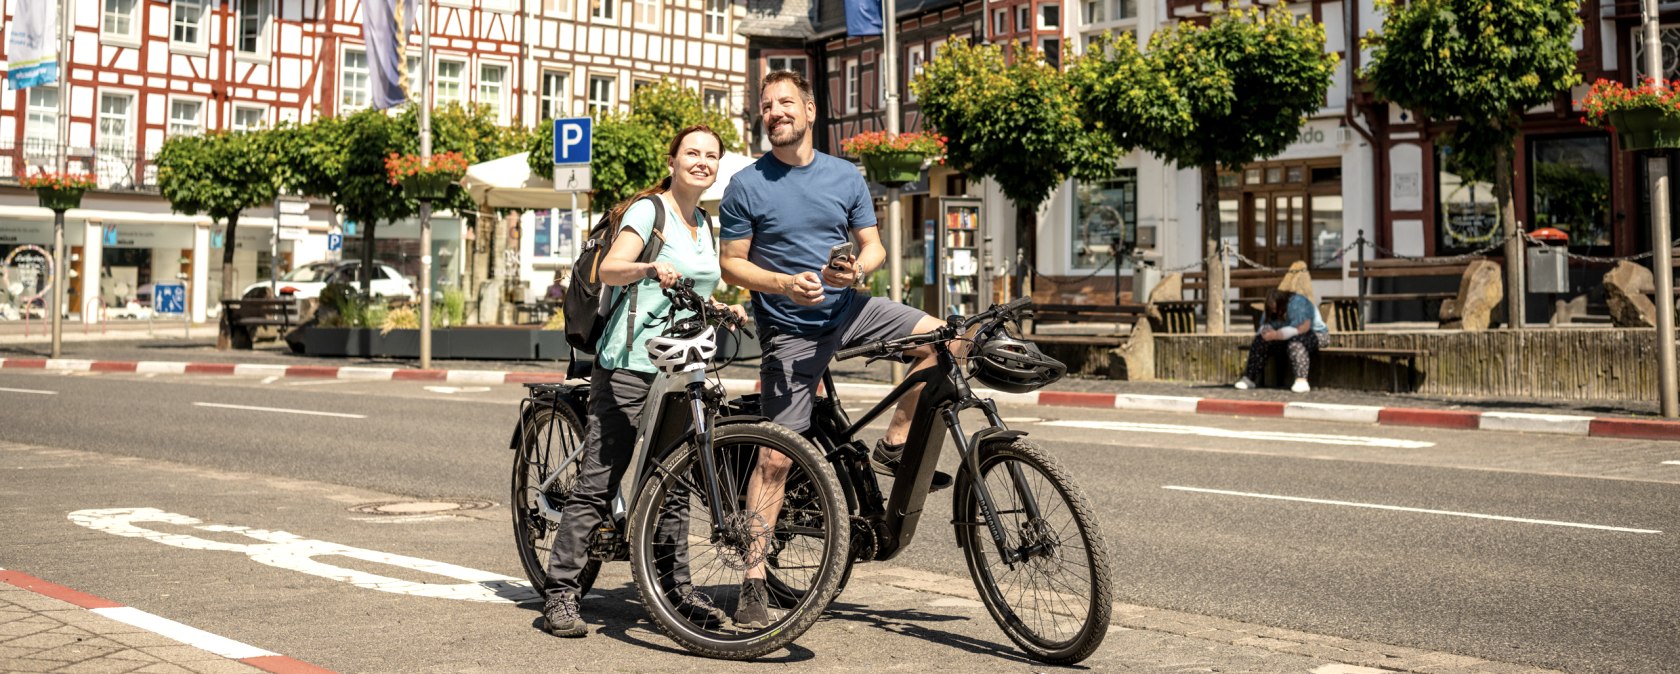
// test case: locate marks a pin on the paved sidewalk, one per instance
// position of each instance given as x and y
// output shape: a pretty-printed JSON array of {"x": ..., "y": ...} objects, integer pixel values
[{"x": 50, "y": 628}]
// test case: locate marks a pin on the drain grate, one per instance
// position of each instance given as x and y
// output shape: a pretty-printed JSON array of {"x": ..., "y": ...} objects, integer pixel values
[{"x": 430, "y": 507}]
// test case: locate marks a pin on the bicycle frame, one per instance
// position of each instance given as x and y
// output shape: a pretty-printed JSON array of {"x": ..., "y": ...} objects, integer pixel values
[{"x": 945, "y": 392}]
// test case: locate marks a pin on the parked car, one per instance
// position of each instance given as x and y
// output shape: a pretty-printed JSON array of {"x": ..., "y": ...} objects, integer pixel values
[{"x": 306, "y": 281}]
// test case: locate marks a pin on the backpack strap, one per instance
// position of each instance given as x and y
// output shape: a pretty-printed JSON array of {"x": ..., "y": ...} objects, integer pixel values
[{"x": 650, "y": 252}]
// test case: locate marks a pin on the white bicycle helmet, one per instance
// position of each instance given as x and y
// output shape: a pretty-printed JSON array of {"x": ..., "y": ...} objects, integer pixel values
[{"x": 683, "y": 354}]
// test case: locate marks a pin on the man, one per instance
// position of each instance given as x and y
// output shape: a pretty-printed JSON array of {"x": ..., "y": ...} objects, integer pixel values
[{"x": 780, "y": 217}]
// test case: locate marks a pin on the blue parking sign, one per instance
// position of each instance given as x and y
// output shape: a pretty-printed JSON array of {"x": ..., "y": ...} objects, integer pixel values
[
  {"x": 335, "y": 242},
  {"x": 169, "y": 298},
  {"x": 572, "y": 140}
]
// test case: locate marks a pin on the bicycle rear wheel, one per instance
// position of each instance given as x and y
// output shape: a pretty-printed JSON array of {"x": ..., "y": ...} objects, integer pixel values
[
  {"x": 1055, "y": 602},
  {"x": 550, "y": 440},
  {"x": 674, "y": 541}
]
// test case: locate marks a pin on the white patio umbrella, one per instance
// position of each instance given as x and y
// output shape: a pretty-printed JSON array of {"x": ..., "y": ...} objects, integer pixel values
[
  {"x": 728, "y": 166},
  {"x": 509, "y": 183}
]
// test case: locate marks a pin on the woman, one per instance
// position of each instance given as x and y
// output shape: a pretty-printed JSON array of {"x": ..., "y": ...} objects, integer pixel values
[
  {"x": 1291, "y": 321},
  {"x": 623, "y": 375}
]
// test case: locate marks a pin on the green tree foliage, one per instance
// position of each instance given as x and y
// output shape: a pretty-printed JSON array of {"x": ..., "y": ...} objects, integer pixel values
[
  {"x": 629, "y": 149},
  {"x": 1204, "y": 96},
  {"x": 220, "y": 174},
  {"x": 1020, "y": 123},
  {"x": 1482, "y": 63}
]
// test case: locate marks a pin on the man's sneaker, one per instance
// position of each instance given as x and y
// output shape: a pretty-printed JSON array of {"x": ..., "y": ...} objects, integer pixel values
[
  {"x": 1244, "y": 384},
  {"x": 885, "y": 460},
  {"x": 1301, "y": 386},
  {"x": 752, "y": 609},
  {"x": 697, "y": 607},
  {"x": 561, "y": 612}
]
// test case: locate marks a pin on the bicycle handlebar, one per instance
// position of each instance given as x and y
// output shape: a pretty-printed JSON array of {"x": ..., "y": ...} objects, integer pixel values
[{"x": 884, "y": 346}]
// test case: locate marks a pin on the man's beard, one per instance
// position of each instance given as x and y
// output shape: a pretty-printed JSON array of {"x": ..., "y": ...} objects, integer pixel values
[{"x": 794, "y": 134}]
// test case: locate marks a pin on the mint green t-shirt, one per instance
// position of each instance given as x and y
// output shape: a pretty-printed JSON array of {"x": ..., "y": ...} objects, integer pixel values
[{"x": 694, "y": 256}]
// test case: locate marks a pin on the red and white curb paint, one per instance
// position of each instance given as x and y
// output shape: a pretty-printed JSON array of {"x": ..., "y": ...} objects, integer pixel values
[
  {"x": 1564, "y": 424},
  {"x": 186, "y": 634}
]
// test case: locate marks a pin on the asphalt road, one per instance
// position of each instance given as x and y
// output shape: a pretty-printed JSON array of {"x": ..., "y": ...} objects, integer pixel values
[{"x": 1548, "y": 551}]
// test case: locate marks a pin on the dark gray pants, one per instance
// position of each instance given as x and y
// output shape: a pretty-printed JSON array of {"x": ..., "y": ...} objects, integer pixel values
[{"x": 615, "y": 403}]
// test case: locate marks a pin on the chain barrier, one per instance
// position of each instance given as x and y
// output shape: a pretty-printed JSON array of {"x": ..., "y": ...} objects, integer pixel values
[
  {"x": 1244, "y": 260},
  {"x": 1462, "y": 257},
  {"x": 1601, "y": 260}
]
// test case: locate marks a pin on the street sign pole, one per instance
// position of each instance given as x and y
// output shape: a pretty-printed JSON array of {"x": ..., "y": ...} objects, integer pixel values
[
  {"x": 57, "y": 290},
  {"x": 895, "y": 210},
  {"x": 425, "y": 203},
  {"x": 1661, "y": 250}
]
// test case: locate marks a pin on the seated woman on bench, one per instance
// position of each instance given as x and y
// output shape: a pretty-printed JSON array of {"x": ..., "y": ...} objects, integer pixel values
[{"x": 1291, "y": 322}]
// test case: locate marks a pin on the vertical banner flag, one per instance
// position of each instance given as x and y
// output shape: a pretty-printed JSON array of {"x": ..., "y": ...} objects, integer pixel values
[
  {"x": 385, "y": 28},
  {"x": 32, "y": 44},
  {"x": 863, "y": 17}
]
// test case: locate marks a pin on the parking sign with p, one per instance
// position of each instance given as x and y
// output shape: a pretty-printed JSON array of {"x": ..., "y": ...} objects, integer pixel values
[{"x": 572, "y": 140}]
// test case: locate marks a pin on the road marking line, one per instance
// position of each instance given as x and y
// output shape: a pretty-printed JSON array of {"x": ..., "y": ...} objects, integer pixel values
[
  {"x": 1378, "y": 506},
  {"x": 185, "y": 634},
  {"x": 27, "y": 390},
  {"x": 1671, "y": 463},
  {"x": 282, "y": 410},
  {"x": 456, "y": 389},
  {"x": 269, "y": 380},
  {"x": 1274, "y": 436},
  {"x": 317, "y": 382}
]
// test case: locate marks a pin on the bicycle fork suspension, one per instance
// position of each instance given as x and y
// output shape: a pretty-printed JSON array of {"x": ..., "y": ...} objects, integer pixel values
[
  {"x": 969, "y": 452},
  {"x": 709, "y": 472}
]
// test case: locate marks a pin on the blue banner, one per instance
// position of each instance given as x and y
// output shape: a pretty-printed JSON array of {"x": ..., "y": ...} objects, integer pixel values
[
  {"x": 32, "y": 44},
  {"x": 863, "y": 17},
  {"x": 385, "y": 28}
]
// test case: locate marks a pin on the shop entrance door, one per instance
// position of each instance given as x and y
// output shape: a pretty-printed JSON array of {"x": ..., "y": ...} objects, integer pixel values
[{"x": 1275, "y": 227}]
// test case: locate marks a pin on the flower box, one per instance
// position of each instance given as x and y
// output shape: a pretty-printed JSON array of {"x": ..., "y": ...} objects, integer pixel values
[
  {"x": 58, "y": 191},
  {"x": 1647, "y": 129},
  {"x": 893, "y": 168},
  {"x": 1646, "y": 117},
  {"x": 423, "y": 178},
  {"x": 894, "y": 160}
]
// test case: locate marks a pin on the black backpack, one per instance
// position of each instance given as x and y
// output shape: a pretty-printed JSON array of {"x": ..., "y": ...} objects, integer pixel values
[{"x": 586, "y": 315}]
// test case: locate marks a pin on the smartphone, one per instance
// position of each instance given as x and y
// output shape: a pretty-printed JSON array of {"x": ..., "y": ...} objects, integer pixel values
[{"x": 839, "y": 251}]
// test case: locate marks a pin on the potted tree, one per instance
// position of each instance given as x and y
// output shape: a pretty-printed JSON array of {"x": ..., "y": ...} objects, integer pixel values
[
  {"x": 895, "y": 160},
  {"x": 1645, "y": 117},
  {"x": 426, "y": 179},
  {"x": 58, "y": 191}
]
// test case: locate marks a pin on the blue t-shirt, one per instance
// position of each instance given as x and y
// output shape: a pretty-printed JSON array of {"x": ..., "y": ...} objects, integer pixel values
[
  {"x": 1299, "y": 310},
  {"x": 794, "y": 215}
]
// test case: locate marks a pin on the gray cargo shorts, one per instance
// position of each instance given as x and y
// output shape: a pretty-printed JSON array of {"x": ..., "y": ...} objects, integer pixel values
[{"x": 793, "y": 364}]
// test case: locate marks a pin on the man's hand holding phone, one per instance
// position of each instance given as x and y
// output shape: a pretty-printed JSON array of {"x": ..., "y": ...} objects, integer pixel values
[
  {"x": 841, "y": 270},
  {"x": 804, "y": 288}
]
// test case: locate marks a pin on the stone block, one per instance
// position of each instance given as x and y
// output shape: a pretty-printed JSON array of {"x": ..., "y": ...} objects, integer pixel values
[
  {"x": 1137, "y": 355},
  {"x": 1627, "y": 289},
  {"x": 1480, "y": 292}
]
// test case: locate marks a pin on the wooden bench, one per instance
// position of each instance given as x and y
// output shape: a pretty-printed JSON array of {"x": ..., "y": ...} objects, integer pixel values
[
  {"x": 1087, "y": 313},
  {"x": 1395, "y": 357},
  {"x": 245, "y": 316},
  {"x": 1350, "y": 317},
  {"x": 1404, "y": 268}
]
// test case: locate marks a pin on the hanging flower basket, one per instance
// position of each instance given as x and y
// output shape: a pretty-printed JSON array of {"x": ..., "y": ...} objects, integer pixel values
[
  {"x": 58, "y": 191},
  {"x": 895, "y": 160},
  {"x": 423, "y": 179},
  {"x": 1646, "y": 117}
]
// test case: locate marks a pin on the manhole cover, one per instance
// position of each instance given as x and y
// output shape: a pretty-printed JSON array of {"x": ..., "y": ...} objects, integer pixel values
[{"x": 420, "y": 507}]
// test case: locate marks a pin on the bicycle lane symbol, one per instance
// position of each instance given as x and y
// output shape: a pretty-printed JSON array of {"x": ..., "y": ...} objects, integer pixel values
[{"x": 284, "y": 550}]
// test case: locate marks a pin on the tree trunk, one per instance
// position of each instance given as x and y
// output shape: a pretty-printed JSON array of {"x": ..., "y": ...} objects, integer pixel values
[
  {"x": 224, "y": 330},
  {"x": 1215, "y": 309},
  {"x": 1026, "y": 239},
  {"x": 1515, "y": 304},
  {"x": 365, "y": 274}
]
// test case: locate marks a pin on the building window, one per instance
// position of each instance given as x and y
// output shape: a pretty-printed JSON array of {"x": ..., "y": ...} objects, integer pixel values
[
  {"x": 1326, "y": 215},
  {"x": 113, "y": 122},
  {"x": 449, "y": 83},
  {"x": 490, "y": 86},
  {"x": 1052, "y": 51},
  {"x": 555, "y": 94},
  {"x": 716, "y": 12},
  {"x": 647, "y": 12},
  {"x": 602, "y": 9},
  {"x": 600, "y": 94},
  {"x": 1023, "y": 18},
  {"x": 40, "y": 126},
  {"x": 184, "y": 116},
  {"x": 557, "y": 7},
  {"x": 1049, "y": 16},
  {"x": 1104, "y": 210},
  {"x": 1096, "y": 11},
  {"x": 914, "y": 61},
  {"x": 353, "y": 80},
  {"x": 187, "y": 22},
  {"x": 852, "y": 89},
  {"x": 793, "y": 63},
  {"x": 1569, "y": 187},
  {"x": 716, "y": 99},
  {"x": 1124, "y": 9},
  {"x": 1467, "y": 213},
  {"x": 119, "y": 18},
  {"x": 1000, "y": 22},
  {"x": 253, "y": 16},
  {"x": 247, "y": 118}
]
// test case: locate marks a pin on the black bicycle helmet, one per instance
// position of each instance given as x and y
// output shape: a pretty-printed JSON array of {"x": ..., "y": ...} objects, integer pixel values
[{"x": 1014, "y": 366}]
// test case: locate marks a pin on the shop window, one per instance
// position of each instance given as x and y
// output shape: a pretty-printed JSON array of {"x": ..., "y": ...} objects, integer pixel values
[
  {"x": 1104, "y": 210},
  {"x": 1466, "y": 213},
  {"x": 1569, "y": 187},
  {"x": 1327, "y": 233}
]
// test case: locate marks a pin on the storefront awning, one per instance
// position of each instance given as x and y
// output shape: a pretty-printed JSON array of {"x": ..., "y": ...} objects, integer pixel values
[{"x": 112, "y": 217}]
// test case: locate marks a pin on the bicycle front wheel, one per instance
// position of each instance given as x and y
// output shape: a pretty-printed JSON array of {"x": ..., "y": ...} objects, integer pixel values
[
  {"x": 550, "y": 445},
  {"x": 1054, "y": 601},
  {"x": 794, "y": 528}
]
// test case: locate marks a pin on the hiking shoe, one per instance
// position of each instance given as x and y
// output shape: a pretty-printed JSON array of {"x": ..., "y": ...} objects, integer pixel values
[
  {"x": 1243, "y": 384},
  {"x": 1301, "y": 386},
  {"x": 697, "y": 607},
  {"x": 752, "y": 610},
  {"x": 561, "y": 612},
  {"x": 885, "y": 460}
]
